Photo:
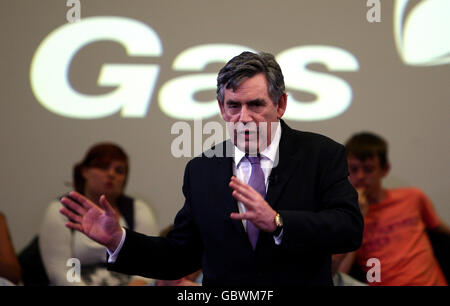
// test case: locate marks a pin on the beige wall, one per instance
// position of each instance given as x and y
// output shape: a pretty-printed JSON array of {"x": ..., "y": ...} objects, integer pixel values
[{"x": 409, "y": 105}]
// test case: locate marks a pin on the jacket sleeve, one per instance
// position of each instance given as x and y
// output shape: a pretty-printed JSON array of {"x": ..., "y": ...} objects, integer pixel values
[{"x": 172, "y": 257}]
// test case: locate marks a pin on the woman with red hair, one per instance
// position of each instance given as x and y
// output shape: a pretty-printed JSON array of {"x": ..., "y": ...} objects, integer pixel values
[{"x": 103, "y": 171}]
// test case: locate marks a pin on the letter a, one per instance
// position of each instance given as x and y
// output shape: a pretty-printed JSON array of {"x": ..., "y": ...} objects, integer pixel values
[
  {"x": 374, "y": 14},
  {"x": 74, "y": 274},
  {"x": 374, "y": 274},
  {"x": 73, "y": 15},
  {"x": 181, "y": 145}
]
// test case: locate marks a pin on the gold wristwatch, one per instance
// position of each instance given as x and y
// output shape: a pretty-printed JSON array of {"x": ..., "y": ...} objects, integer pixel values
[{"x": 279, "y": 224}]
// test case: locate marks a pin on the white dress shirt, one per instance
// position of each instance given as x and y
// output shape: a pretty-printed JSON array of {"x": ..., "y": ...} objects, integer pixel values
[{"x": 242, "y": 168}]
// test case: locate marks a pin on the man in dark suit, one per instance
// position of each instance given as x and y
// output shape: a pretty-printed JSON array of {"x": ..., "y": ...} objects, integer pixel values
[{"x": 267, "y": 207}]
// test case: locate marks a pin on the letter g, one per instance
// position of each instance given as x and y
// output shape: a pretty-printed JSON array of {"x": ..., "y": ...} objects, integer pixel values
[{"x": 49, "y": 73}]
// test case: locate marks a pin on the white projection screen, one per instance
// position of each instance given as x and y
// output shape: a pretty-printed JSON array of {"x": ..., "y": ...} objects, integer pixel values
[{"x": 130, "y": 71}]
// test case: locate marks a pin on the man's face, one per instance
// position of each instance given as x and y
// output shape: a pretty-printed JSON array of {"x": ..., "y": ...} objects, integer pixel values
[
  {"x": 367, "y": 174},
  {"x": 251, "y": 115}
]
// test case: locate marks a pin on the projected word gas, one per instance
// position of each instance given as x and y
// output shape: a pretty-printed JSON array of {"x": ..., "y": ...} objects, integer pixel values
[{"x": 135, "y": 83}]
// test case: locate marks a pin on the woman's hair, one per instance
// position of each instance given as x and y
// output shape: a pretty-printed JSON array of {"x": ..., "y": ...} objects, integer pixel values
[{"x": 98, "y": 155}]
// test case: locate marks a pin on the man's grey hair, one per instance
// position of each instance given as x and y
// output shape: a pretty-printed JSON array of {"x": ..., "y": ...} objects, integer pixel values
[{"x": 247, "y": 65}]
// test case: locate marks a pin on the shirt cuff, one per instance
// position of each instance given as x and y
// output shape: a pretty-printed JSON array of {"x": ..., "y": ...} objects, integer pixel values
[
  {"x": 113, "y": 255},
  {"x": 278, "y": 238}
]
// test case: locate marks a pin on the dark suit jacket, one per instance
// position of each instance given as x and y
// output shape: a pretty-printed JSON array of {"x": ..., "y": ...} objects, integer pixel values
[{"x": 310, "y": 190}]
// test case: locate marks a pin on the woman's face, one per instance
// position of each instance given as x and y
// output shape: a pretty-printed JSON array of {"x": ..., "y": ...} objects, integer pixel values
[{"x": 106, "y": 178}]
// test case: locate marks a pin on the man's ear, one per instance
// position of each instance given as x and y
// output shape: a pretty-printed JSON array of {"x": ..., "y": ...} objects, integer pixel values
[
  {"x": 222, "y": 109},
  {"x": 281, "y": 106},
  {"x": 83, "y": 172},
  {"x": 386, "y": 169}
]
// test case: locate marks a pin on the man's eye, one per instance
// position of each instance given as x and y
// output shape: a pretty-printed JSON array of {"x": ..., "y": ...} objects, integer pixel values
[
  {"x": 120, "y": 170},
  {"x": 103, "y": 165}
]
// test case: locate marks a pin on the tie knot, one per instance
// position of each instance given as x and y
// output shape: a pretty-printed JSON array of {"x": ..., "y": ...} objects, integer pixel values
[{"x": 254, "y": 159}]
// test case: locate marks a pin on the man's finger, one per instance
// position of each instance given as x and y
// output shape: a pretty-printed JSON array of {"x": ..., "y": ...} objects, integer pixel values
[
  {"x": 243, "y": 199},
  {"x": 361, "y": 191},
  {"x": 106, "y": 206},
  {"x": 240, "y": 184},
  {"x": 81, "y": 199},
  {"x": 238, "y": 216},
  {"x": 361, "y": 195},
  {"x": 74, "y": 226},
  {"x": 71, "y": 215},
  {"x": 74, "y": 206},
  {"x": 245, "y": 190}
]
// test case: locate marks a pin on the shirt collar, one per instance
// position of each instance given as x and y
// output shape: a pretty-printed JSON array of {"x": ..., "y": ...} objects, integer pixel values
[{"x": 270, "y": 152}]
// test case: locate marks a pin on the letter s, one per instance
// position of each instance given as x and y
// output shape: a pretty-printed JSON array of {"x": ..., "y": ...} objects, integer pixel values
[
  {"x": 49, "y": 73},
  {"x": 334, "y": 95}
]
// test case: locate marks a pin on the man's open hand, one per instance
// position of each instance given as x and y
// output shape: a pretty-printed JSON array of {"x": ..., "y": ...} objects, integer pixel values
[
  {"x": 258, "y": 211},
  {"x": 98, "y": 223}
]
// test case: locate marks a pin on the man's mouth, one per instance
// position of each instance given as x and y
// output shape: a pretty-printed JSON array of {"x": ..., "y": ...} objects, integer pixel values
[
  {"x": 246, "y": 135},
  {"x": 360, "y": 185},
  {"x": 247, "y": 132}
]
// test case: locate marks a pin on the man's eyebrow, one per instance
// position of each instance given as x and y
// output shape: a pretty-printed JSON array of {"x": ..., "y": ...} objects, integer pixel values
[
  {"x": 233, "y": 103},
  {"x": 254, "y": 101},
  {"x": 257, "y": 101}
]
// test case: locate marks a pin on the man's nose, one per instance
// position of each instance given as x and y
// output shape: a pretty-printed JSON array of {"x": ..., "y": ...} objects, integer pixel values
[
  {"x": 245, "y": 115},
  {"x": 111, "y": 171},
  {"x": 359, "y": 174}
]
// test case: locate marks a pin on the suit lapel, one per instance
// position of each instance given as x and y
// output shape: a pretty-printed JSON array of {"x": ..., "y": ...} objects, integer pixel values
[
  {"x": 287, "y": 164},
  {"x": 224, "y": 173}
]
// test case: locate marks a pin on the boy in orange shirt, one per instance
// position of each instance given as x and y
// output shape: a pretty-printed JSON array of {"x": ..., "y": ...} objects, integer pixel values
[{"x": 395, "y": 220}]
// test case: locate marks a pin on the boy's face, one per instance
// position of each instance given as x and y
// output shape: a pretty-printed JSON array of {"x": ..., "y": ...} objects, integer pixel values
[{"x": 367, "y": 174}]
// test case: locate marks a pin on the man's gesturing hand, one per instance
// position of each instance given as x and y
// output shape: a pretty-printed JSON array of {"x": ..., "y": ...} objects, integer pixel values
[
  {"x": 98, "y": 223},
  {"x": 258, "y": 211},
  {"x": 362, "y": 201}
]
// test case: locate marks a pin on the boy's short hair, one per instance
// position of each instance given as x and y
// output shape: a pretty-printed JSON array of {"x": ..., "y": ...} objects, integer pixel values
[{"x": 367, "y": 145}]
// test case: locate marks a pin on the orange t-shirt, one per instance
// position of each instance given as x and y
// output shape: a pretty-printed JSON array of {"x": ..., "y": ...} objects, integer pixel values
[{"x": 394, "y": 233}]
